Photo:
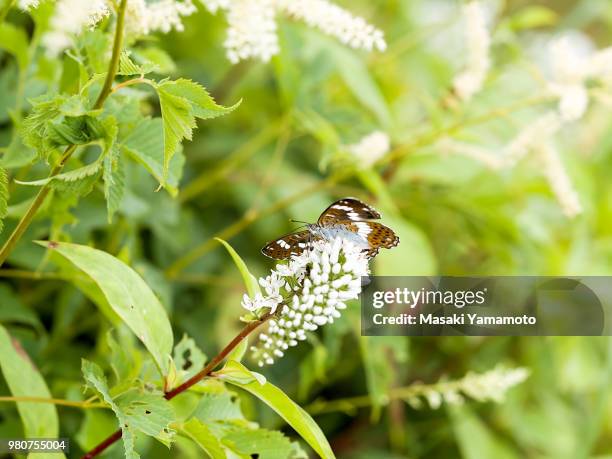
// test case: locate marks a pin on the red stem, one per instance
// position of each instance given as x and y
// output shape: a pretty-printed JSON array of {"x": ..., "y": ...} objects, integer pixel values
[{"x": 248, "y": 329}]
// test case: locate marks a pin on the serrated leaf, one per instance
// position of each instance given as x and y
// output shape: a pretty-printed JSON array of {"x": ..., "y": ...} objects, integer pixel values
[
  {"x": 4, "y": 195},
  {"x": 148, "y": 413},
  {"x": 68, "y": 177},
  {"x": 24, "y": 380},
  {"x": 202, "y": 103},
  {"x": 178, "y": 122},
  {"x": 145, "y": 143},
  {"x": 276, "y": 399},
  {"x": 128, "y": 67},
  {"x": 136, "y": 411},
  {"x": 128, "y": 295},
  {"x": 94, "y": 377},
  {"x": 181, "y": 101},
  {"x": 60, "y": 121},
  {"x": 34, "y": 127},
  {"x": 162, "y": 60},
  {"x": 204, "y": 438},
  {"x": 80, "y": 130},
  {"x": 260, "y": 443},
  {"x": 188, "y": 358},
  {"x": 222, "y": 407}
]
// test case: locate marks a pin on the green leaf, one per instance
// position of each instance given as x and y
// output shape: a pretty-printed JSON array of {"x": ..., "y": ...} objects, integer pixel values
[
  {"x": 188, "y": 358},
  {"x": 533, "y": 16},
  {"x": 128, "y": 295},
  {"x": 222, "y": 407},
  {"x": 62, "y": 120},
  {"x": 260, "y": 443},
  {"x": 114, "y": 181},
  {"x": 4, "y": 195},
  {"x": 474, "y": 439},
  {"x": 379, "y": 367},
  {"x": 182, "y": 101},
  {"x": 34, "y": 127},
  {"x": 12, "y": 310},
  {"x": 357, "y": 77},
  {"x": 24, "y": 380},
  {"x": 136, "y": 411},
  {"x": 202, "y": 104},
  {"x": 160, "y": 58},
  {"x": 15, "y": 41},
  {"x": 253, "y": 289},
  {"x": 178, "y": 122},
  {"x": 128, "y": 67},
  {"x": 276, "y": 399},
  {"x": 94, "y": 377},
  {"x": 74, "y": 175},
  {"x": 145, "y": 143},
  {"x": 204, "y": 438},
  {"x": 149, "y": 413},
  {"x": 249, "y": 280}
]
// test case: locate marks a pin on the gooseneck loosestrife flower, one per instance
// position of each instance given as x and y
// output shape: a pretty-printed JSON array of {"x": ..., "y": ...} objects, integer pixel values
[
  {"x": 306, "y": 293},
  {"x": 370, "y": 148},
  {"x": 478, "y": 41},
  {"x": 252, "y": 24}
]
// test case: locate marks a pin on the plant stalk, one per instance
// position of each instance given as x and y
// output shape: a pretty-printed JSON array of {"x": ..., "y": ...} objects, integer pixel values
[
  {"x": 246, "y": 331},
  {"x": 27, "y": 218},
  {"x": 54, "y": 401}
]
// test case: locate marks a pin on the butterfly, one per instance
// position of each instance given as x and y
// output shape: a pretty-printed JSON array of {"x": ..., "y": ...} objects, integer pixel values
[{"x": 348, "y": 218}]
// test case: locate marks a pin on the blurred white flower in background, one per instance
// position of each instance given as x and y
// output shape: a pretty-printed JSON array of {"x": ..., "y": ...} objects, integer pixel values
[
  {"x": 370, "y": 148},
  {"x": 251, "y": 23},
  {"x": 166, "y": 15},
  {"x": 469, "y": 150},
  {"x": 572, "y": 61},
  {"x": 542, "y": 129},
  {"x": 337, "y": 22},
  {"x": 492, "y": 385},
  {"x": 478, "y": 41},
  {"x": 252, "y": 30},
  {"x": 69, "y": 19},
  {"x": 311, "y": 289},
  {"x": 559, "y": 181},
  {"x": 536, "y": 137},
  {"x": 27, "y": 4}
]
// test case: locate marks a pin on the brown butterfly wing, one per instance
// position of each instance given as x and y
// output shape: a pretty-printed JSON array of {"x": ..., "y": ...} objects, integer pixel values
[
  {"x": 288, "y": 245},
  {"x": 382, "y": 236},
  {"x": 376, "y": 234},
  {"x": 347, "y": 209}
]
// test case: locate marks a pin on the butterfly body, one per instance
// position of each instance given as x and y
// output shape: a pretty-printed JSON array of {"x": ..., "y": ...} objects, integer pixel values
[{"x": 348, "y": 218}]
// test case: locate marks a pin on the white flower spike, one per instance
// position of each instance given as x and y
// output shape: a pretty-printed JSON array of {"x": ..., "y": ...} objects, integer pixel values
[
  {"x": 312, "y": 290},
  {"x": 370, "y": 148},
  {"x": 478, "y": 40}
]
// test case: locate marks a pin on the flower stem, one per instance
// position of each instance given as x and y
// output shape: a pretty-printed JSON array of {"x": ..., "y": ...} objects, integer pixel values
[
  {"x": 246, "y": 331},
  {"x": 27, "y": 218},
  {"x": 54, "y": 401}
]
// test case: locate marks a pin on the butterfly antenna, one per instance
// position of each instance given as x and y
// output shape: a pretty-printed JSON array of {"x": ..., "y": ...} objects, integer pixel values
[{"x": 299, "y": 221}]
